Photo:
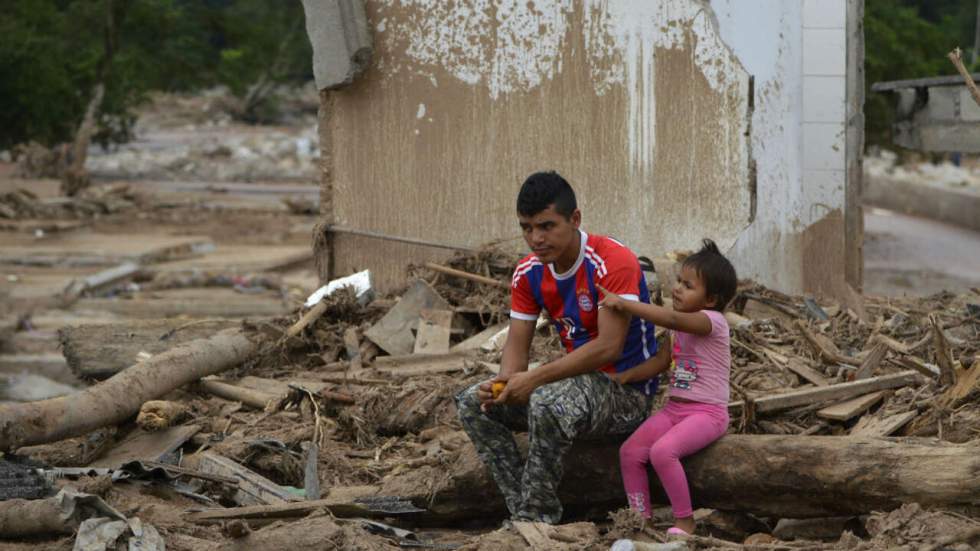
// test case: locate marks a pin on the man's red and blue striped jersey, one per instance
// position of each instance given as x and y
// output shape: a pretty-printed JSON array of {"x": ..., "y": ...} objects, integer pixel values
[{"x": 572, "y": 298}]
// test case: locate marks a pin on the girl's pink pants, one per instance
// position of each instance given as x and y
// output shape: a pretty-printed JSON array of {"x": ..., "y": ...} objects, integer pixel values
[{"x": 676, "y": 431}]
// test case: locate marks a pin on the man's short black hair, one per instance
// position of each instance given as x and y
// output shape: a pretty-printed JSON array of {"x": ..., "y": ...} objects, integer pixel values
[
  {"x": 542, "y": 189},
  {"x": 716, "y": 273}
]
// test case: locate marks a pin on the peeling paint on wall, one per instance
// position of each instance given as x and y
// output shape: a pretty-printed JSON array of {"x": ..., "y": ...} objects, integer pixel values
[{"x": 507, "y": 45}]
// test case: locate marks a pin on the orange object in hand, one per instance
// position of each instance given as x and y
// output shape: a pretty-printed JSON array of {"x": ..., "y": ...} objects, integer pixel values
[{"x": 497, "y": 388}]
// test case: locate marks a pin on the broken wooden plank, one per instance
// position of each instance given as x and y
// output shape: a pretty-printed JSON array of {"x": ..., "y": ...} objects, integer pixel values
[
  {"x": 911, "y": 362},
  {"x": 393, "y": 332},
  {"x": 824, "y": 347},
  {"x": 840, "y": 391},
  {"x": 967, "y": 382},
  {"x": 145, "y": 446},
  {"x": 411, "y": 365},
  {"x": 343, "y": 502},
  {"x": 849, "y": 409},
  {"x": 476, "y": 341},
  {"x": 874, "y": 426},
  {"x": 77, "y": 287},
  {"x": 311, "y": 479},
  {"x": 872, "y": 361},
  {"x": 798, "y": 366},
  {"x": 433, "y": 332},
  {"x": 253, "y": 488}
]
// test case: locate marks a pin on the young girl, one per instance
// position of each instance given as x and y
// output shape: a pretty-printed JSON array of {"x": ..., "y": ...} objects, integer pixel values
[{"x": 696, "y": 413}]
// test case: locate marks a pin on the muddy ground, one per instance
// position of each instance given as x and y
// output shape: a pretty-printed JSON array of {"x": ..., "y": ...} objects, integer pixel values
[{"x": 222, "y": 237}]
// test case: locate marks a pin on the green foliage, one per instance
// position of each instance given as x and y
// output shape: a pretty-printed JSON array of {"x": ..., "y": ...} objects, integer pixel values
[
  {"x": 906, "y": 39},
  {"x": 265, "y": 46},
  {"x": 53, "y": 53}
]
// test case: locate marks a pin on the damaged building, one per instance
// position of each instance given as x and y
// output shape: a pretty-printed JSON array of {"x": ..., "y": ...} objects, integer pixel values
[{"x": 675, "y": 120}]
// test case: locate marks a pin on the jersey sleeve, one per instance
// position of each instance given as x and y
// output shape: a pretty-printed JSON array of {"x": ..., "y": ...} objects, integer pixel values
[
  {"x": 522, "y": 303},
  {"x": 621, "y": 275}
]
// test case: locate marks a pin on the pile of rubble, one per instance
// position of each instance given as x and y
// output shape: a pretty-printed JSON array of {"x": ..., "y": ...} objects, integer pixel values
[
  {"x": 337, "y": 426},
  {"x": 92, "y": 202}
]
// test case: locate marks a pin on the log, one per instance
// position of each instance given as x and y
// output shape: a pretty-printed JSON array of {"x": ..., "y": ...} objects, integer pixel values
[
  {"x": 120, "y": 397},
  {"x": 781, "y": 476},
  {"x": 99, "y": 351}
]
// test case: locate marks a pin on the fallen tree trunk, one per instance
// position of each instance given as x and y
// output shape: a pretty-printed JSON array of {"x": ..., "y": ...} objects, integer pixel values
[
  {"x": 778, "y": 476},
  {"x": 99, "y": 351},
  {"x": 120, "y": 397}
]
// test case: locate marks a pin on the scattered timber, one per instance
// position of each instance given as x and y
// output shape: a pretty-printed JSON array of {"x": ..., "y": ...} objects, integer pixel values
[
  {"x": 842, "y": 391},
  {"x": 120, "y": 397}
]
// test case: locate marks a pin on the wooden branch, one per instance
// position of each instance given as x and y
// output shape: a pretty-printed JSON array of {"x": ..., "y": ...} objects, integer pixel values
[
  {"x": 308, "y": 318},
  {"x": 465, "y": 275},
  {"x": 956, "y": 56},
  {"x": 247, "y": 396}
]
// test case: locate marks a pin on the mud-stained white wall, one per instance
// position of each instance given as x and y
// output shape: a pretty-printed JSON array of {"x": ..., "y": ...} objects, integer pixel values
[
  {"x": 797, "y": 52},
  {"x": 646, "y": 106}
]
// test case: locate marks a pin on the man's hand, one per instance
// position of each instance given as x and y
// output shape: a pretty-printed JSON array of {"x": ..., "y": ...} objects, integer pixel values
[
  {"x": 611, "y": 300},
  {"x": 485, "y": 391},
  {"x": 518, "y": 390}
]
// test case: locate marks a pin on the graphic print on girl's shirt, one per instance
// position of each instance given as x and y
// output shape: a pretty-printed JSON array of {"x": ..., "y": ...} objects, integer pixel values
[{"x": 684, "y": 372}]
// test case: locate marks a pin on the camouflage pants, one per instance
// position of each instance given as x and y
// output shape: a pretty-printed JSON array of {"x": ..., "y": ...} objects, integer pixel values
[{"x": 585, "y": 406}]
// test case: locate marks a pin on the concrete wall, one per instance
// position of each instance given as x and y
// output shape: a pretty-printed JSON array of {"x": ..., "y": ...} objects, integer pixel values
[
  {"x": 797, "y": 51},
  {"x": 647, "y": 107}
]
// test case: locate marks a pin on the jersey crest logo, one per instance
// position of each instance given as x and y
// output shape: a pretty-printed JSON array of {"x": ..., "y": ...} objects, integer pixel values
[{"x": 585, "y": 302}]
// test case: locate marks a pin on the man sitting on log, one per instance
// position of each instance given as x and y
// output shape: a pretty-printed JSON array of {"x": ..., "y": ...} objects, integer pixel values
[{"x": 570, "y": 397}]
